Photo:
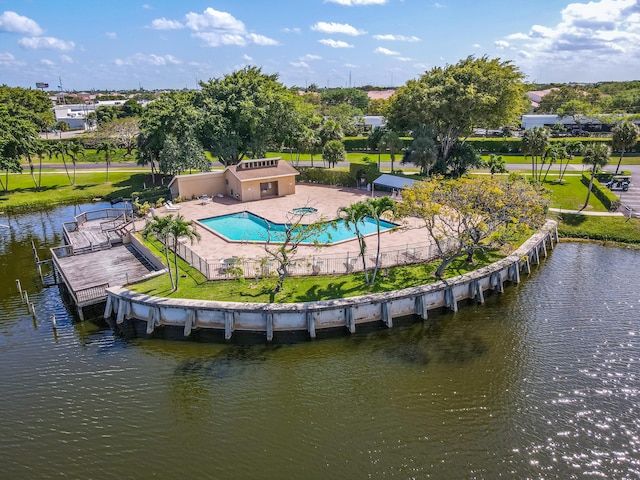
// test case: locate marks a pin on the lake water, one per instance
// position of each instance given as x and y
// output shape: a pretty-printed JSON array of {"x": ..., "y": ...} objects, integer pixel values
[{"x": 540, "y": 382}]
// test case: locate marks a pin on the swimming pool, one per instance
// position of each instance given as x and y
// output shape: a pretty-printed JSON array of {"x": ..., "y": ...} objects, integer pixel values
[{"x": 249, "y": 227}]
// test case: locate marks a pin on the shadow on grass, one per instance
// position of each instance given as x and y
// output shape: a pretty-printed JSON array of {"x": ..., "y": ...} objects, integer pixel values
[{"x": 572, "y": 220}]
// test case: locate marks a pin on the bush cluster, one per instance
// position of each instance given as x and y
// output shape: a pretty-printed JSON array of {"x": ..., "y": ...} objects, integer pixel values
[
  {"x": 609, "y": 199},
  {"x": 326, "y": 176}
]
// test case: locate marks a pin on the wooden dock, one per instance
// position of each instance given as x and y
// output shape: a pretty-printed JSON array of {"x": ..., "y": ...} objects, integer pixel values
[{"x": 97, "y": 256}]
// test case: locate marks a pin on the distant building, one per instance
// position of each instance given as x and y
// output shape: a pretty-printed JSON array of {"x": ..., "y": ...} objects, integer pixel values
[{"x": 74, "y": 115}]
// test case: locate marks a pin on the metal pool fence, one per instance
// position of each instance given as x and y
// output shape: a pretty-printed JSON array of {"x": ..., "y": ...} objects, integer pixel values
[{"x": 240, "y": 267}]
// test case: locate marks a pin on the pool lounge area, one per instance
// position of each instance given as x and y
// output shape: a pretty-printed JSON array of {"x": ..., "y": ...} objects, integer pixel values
[
  {"x": 407, "y": 242},
  {"x": 248, "y": 227}
]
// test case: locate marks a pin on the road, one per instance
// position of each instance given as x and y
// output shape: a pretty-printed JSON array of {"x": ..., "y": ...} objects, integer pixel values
[{"x": 630, "y": 199}]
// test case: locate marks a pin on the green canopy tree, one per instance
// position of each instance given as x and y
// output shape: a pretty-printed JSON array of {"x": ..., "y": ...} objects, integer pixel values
[
  {"x": 625, "y": 136},
  {"x": 596, "y": 154},
  {"x": 423, "y": 150},
  {"x": 333, "y": 152},
  {"x": 242, "y": 113},
  {"x": 452, "y": 100},
  {"x": 463, "y": 216}
]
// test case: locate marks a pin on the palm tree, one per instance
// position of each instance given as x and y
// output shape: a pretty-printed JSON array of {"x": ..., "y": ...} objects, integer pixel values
[
  {"x": 423, "y": 151},
  {"x": 597, "y": 155},
  {"x": 571, "y": 149},
  {"x": 391, "y": 141},
  {"x": 376, "y": 208},
  {"x": 159, "y": 228},
  {"x": 353, "y": 216},
  {"x": 534, "y": 142},
  {"x": 625, "y": 136},
  {"x": 180, "y": 228},
  {"x": 61, "y": 149},
  {"x": 554, "y": 152},
  {"x": 74, "y": 150},
  {"x": 109, "y": 149},
  {"x": 333, "y": 152}
]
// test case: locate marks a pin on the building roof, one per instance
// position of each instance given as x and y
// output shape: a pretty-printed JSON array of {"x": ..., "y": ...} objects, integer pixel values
[
  {"x": 261, "y": 168},
  {"x": 195, "y": 175},
  {"x": 393, "y": 181}
]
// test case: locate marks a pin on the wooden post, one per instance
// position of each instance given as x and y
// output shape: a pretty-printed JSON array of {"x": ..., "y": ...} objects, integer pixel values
[{"x": 19, "y": 286}]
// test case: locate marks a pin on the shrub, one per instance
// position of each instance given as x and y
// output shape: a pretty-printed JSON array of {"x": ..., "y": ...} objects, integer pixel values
[
  {"x": 326, "y": 176},
  {"x": 609, "y": 199}
]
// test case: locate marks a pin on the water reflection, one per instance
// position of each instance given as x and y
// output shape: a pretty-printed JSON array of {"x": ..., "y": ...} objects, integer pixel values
[{"x": 540, "y": 382}]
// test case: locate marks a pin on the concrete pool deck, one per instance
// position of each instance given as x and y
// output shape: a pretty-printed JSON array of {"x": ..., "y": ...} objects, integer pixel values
[{"x": 327, "y": 200}]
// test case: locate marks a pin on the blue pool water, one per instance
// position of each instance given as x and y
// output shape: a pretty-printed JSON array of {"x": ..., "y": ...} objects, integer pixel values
[{"x": 248, "y": 227}]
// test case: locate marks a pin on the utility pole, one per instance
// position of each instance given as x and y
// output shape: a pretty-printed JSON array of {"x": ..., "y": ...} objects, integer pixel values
[{"x": 61, "y": 90}]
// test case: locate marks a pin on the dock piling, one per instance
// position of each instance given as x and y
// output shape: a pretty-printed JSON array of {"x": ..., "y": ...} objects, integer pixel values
[{"x": 19, "y": 286}]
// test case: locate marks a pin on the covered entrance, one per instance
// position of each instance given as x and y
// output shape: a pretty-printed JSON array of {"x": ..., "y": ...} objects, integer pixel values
[{"x": 268, "y": 189}]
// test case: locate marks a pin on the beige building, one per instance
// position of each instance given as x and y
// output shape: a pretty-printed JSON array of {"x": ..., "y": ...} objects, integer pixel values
[{"x": 247, "y": 181}]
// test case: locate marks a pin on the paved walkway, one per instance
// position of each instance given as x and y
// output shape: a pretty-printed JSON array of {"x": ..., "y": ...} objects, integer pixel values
[{"x": 327, "y": 201}]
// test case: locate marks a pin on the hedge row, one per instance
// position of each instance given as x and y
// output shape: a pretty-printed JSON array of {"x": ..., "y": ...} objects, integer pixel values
[
  {"x": 602, "y": 193},
  {"x": 505, "y": 145},
  {"x": 326, "y": 176}
]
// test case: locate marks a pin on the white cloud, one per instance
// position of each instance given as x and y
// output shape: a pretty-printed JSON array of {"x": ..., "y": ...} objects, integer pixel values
[
  {"x": 8, "y": 60},
  {"x": 150, "y": 59},
  {"x": 476, "y": 45},
  {"x": 291, "y": 30},
  {"x": 166, "y": 24},
  {"x": 591, "y": 40},
  {"x": 353, "y": 3},
  {"x": 501, "y": 44},
  {"x": 212, "y": 19},
  {"x": 262, "y": 40},
  {"x": 299, "y": 64},
  {"x": 66, "y": 59},
  {"x": 214, "y": 39},
  {"x": 310, "y": 56},
  {"x": 146, "y": 6},
  {"x": 385, "y": 51},
  {"x": 404, "y": 59},
  {"x": 112, "y": 35},
  {"x": 335, "y": 43},
  {"x": 14, "y": 23},
  {"x": 332, "y": 27},
  {"x": 351, "y": 65},
  {"x": 47, "y": 62},
  {"x": 397, "y": 38},
  {"x": 247, "y": 58},
  {"x": 46, "y": 43},
  {"x": 438, "y": 5}
]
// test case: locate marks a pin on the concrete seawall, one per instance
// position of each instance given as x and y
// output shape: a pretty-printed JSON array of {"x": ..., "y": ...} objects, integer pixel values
[{"x": 268, "y": 319}]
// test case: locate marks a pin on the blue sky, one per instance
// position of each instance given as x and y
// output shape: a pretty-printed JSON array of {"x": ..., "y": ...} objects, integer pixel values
[{"x": 124, "y": 44}]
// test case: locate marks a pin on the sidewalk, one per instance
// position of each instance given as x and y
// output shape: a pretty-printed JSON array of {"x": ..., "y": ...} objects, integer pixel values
[{"x": 583, "y": 212}]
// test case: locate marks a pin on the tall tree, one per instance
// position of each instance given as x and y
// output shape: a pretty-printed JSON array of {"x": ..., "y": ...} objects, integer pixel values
[
  {"x": 423, "y": 151},
  {"x": 534, "y": 143},
  {"x": 61, "y": 149},
  {"x": 353, "y": 217},
  {"x": 158, "y": 227},
  {"x": 242, "y": 113},
  {"x": 109, "y": 149},
  {"x": 392, "y": 143},
  {"x": 73, "y": 151},
  {"x": 554, "y": 153},
  {"x": 464, "y": 216},
  {"x": 625, "y": 136},
  {"x": 376, "y": 209},
  {"x": 373, "y": 141},
  {"x": 597, "y": 155},
  {"x": 452, "y": 100},
  {"x": 333, "y": 152},
  {"x": 180, "y": 228}
]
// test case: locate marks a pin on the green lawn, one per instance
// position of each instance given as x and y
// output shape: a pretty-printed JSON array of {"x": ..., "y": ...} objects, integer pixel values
[
  {"x": 90, "y": 184},
  {"x": 613, "y": 229},
  {"x": 571, "y": 194},
  {"x": 192, "y": 283}
]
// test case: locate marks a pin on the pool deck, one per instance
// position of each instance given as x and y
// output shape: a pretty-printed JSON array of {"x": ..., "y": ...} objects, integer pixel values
[{"x": 327, "y": 200}]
